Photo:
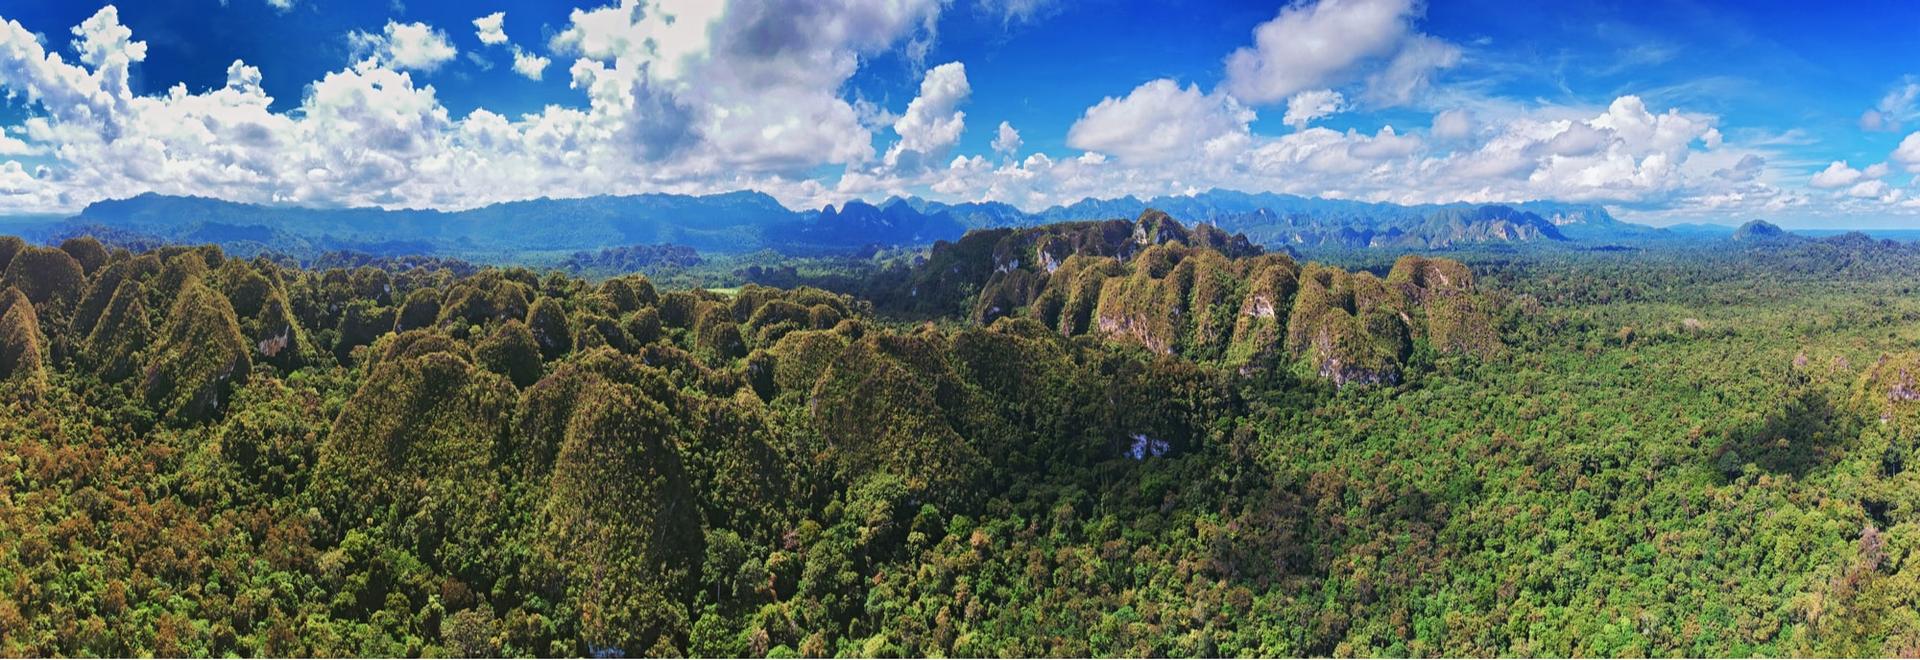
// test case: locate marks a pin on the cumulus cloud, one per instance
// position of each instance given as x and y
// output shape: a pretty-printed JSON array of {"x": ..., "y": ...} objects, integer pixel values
[
  {"x": 1625, "y": 153},
  {"x": 1308, "y": 106},
  {"x": 13, "y": 146},
  {"x": 1899, "y": 106},
  {"x": 14, "y": 179},
  {"x": 1331, "y": 42},
  {"x": 697, "y": 96},
  {"x": 489, "y": 28},
  {"x": 415, "y": 46},
  {"x": 1006, "y": 141},
  {"x": 775, "y": 67},
  {"x": 688, "y": 96},
  {"x": 1868, "y": 189},
  {"x": 933, "y": 121},
  {"x": 1837, "y": 175},
  {"x": 1908, "y": 153},
  {"x": 1160, "y": 120},
  {"x": 528, "y": 64}
]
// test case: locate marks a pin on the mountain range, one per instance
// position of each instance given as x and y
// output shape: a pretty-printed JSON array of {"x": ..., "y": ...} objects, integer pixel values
[{"x": 748, "y": 221}]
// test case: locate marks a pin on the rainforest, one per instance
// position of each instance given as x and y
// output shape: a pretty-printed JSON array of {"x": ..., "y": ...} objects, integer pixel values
[
  {"x": 1114, "y": 438},
  {"x": 959, "y": 328}
]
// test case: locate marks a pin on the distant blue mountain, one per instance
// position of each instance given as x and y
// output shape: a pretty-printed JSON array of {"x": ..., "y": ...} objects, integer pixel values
[
  {"x": 1700, "y": 229},
  {"x": 1761, "y": 231},
  {"x": 1279, "y": 219},
  {"x": 748, "y": 221}
]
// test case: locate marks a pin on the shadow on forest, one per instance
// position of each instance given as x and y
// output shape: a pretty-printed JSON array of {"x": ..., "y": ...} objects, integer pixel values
[{"x": 1804, "y": 433}]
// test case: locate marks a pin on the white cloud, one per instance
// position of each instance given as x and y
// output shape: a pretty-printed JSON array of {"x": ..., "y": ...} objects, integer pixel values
[
  {"x": 1308, "y": 106},
  {"x": 1160, "y": 120},
  {"x": 1868, "y": 189},
  {"x": 762, "y": 79},
  {"x": 1455, "y": 124},
  {"x": 491, "y": 31},
  {"x": 16, "y": 146},
  {"x": 1578, "y": 139},
  {"x": 755, "y": 95},
  {"x": 933, "y": 121},
  {"x": 719, "y": 97},
  {"x": 415, "y": 46},
  {"x": 528, "y": 64},
  {"x": 1006, "y": 141},
  {"x": 1837, "y": 175},
  {"x": 1326, "y": 43},
  {"x": 1409, "y": 72},
  {"x": 102, "y": 39},
  {"x": 489, "y": 28},
  {"x": 1899, "y": 106},
  {"x": 1908, "y": 153},
  {"x": 1621, "y": 154},
  {"x": 15, "y": 181}
]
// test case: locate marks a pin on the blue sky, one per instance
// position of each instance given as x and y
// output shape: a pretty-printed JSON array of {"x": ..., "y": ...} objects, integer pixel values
[{"x": 1665, "y": 112}]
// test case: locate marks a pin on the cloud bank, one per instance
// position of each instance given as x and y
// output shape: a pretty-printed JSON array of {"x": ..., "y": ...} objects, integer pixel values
[{"x": 699, "y": 96}]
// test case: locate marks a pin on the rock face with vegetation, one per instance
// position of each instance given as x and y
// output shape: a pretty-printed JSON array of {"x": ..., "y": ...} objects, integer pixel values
[{"x": 1206, "y": 296}]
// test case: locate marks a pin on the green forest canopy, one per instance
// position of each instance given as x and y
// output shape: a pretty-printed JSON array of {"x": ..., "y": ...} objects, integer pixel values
[{"x": 1129, "y": 438}]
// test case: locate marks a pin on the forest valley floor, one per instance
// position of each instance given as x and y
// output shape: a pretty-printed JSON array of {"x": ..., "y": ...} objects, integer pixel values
[{"x": 1647, "y": 452}]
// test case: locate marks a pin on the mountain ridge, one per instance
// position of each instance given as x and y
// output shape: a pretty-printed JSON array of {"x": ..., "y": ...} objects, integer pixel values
[{"x": 748, "y": 220}]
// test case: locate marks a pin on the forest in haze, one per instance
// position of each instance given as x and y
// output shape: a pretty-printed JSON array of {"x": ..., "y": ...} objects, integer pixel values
[{"x": 1116, "y": 438}]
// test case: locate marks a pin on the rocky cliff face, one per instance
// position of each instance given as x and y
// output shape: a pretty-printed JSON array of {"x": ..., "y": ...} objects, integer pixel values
[{"x": 1205, "y": 295}]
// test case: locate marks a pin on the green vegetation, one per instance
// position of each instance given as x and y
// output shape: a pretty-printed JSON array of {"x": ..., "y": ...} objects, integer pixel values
[{"x": 1109, "y": 439}]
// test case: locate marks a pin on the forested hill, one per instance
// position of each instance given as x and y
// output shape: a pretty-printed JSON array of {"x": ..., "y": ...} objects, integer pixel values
[
  {"x": 212, "y": 455},
  {"x": 518, "y": 232},
  {"x": 1112, "y": 438},
  {"x": 1201, "y": 293}
]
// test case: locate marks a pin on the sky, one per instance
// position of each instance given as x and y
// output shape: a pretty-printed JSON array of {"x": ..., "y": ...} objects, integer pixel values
[{"x": 1806, "y": 114}]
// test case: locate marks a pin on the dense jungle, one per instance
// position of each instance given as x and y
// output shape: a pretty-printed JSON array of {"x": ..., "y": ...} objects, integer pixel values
[{"x": 1118, "y": 438}]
